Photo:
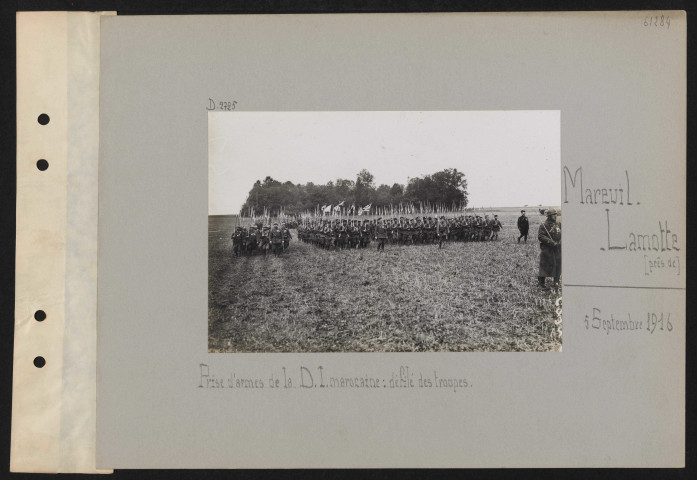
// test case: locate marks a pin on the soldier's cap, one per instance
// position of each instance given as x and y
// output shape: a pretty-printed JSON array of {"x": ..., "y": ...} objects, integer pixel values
[
  {"x": 551, "y": 212},
  {"x": 495, "y": 215},
  {"x": 522, "y": 211},
  {"x": 275, "y": 224}
]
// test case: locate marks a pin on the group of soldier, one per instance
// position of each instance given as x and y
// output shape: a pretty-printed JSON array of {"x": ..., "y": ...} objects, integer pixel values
[
  {"x": 260, "y": 238},
  {"x": 354, "y": 233}
]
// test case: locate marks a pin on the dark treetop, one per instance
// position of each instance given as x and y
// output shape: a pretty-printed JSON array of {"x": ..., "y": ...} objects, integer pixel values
[{"x": 446, "y": 187}]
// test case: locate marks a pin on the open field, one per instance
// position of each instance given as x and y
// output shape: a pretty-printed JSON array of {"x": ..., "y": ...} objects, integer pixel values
[{"x": 479, "y": 296}]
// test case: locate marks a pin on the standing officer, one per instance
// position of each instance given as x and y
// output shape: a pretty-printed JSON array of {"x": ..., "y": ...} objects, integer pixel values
[
  {"x": 381, "y": 235},
  {"x": 487, "y": 226},
  {"x": 442, "y": 231},
  {"x": 276, "y": 239},
  {"x": 549, "y": 236},
  {"x": 237, "y": 241},
  {"x": 265, "y": 239},
  {"x": 286, "y": 236},
  {"x": 495, "y": 227},
  {"x": 366, "y": 233},
  {"x": 523, "y": 226}
]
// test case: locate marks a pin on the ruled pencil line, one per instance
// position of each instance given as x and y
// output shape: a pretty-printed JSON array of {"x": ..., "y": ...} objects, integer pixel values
[{"x": 621, "y": 286}]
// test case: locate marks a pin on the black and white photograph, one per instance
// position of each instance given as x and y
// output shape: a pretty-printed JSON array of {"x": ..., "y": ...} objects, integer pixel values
[{"x": 401, "y": 231}]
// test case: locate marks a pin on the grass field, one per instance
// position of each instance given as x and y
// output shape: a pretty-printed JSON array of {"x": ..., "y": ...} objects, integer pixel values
[{"x": 479, "y": 296}]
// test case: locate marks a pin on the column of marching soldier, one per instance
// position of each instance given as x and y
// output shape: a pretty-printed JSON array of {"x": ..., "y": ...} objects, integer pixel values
[
  {"x": 333, "y": 233},
  {"x": 354, "y": 233},
  {"x": 261, "y": 238}
]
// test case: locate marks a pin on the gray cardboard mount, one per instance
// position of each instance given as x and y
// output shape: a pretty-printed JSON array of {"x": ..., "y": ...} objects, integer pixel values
[{"x": 612, "y": 398}]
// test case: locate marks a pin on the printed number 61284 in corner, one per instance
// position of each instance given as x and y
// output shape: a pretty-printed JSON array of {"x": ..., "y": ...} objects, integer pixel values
[{"x": 657, "y": 21}]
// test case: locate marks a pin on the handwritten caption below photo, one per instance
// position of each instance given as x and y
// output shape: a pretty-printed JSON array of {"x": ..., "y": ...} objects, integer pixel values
[{"x": 303, "y": 377}]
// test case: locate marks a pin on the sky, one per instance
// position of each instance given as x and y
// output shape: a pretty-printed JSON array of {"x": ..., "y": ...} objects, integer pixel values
[{"x": 510, "y": 158}]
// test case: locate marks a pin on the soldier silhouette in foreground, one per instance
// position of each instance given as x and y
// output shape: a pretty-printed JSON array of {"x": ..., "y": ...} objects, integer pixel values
[{"x": 549, "y": 236}]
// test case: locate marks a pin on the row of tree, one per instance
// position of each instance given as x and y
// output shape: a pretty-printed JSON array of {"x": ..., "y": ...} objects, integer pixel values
[{"x": 447, "y": 187}]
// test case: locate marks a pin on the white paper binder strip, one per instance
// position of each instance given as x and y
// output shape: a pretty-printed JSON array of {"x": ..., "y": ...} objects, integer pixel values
[{"x": 54, "y": 394}]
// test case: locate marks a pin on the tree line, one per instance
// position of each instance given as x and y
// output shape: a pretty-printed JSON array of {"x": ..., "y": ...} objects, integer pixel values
[{"x": 447, "y": 187}]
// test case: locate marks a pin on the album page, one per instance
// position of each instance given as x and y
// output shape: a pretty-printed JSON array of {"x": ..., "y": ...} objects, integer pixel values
[{"x": 336, "y": 241}]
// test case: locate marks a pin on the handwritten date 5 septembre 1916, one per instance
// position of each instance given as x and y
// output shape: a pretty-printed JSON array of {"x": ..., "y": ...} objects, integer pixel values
[{"x": 652, "y": 322}]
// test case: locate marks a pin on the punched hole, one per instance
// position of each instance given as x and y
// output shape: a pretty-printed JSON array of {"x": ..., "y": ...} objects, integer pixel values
[
  {"x": 42, "y": 164},
  {"x": 39, "y": 362},
  {"x": 44, "y": 119},
  {"x": 39, "y": 315}
]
